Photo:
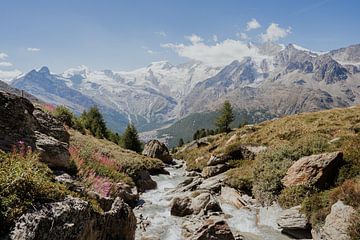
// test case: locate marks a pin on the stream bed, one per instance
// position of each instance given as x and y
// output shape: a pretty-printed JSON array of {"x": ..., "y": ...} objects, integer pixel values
[{"x": 156, "y": 223}]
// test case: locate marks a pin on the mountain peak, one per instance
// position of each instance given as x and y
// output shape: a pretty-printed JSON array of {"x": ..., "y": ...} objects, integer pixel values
[{"x": 44, "y": 70}]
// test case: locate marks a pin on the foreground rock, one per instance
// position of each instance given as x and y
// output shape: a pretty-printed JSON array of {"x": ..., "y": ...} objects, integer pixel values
[
  {"x": 197, "y": 202},
  {"x": 336, "y": 223},
  {"x": 156, "y": 149},
  {"x": 75, "y": 219},
  {"x": 213, "y": 230},
  {"x": 319, "y": 170},
  {"x": 22, "y": 123},
  {"x": 294, "y": 223}
]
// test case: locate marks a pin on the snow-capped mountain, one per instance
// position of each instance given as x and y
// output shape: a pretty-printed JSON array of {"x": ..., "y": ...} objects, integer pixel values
[
  {"x": 277, "y": 79},
  {"x": 299, "y": 80}
]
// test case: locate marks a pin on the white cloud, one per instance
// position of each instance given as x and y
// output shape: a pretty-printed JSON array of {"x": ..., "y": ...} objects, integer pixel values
[
  {"x": 7, "y": 76},
  {"x": 149, "y": 51},
  {"x": 161, "y": 33},
  {"x": 252, "y": 24},
  {"x": 215, "y": 38},
  {"x": 242, "y": 36},
  {"x": 194, "y": 39},
  {"x": 274, "y": 33},
  {"x": 33, "y": 49},
  {"x": 5, "y": 64},
  {"x": 3, "y": 55},
  {"x": 218, "y": 54}
]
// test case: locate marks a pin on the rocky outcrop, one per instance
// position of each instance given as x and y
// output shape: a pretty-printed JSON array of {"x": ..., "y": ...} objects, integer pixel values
[
  {"x": 75, "y": 219},
  {"x": 294, "y": 223},
  {"x": 210, "y": 171},
  {"x": 156, "y": 149},
  {"x": 318, "y": 170},
  {"x": 336, "y": 223},
  {"x": 21, "y": 122}
]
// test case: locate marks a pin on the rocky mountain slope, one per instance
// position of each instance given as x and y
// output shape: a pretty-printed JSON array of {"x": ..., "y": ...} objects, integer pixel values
[
  {"x": 294, "y": 81},
  {"x": 278, "y": 80}
]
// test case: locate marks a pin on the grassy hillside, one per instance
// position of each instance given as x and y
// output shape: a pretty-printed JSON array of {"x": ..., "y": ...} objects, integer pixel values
[
  {"x": 97, "y": 164},
  {"x": 287, "y": 139},
  {"x": 186, "y": 127},
  {"x": 108, "y": 160}
]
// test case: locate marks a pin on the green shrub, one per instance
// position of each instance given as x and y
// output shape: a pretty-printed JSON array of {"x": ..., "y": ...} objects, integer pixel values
[
  {"x": 24, "y": 182},
  {"x": 241, "y": 178},
  {"x": 64, "y": 115},
  {"x": 293, "y": 196},
  {"x": 351, "y": 168},
  {"x": 354, "y": 229},
  {"x": 316, "y": 207},
  {"x": 271, "y": 167}
]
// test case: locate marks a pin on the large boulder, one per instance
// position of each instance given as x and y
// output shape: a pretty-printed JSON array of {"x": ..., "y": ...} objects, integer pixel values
[
  {"x": 144, "y": 181},
  {"x": 21, "y": 122},
  {"x": 156, "y": 149},
  {"x": 336, "y": 223},
  {"x": 197, "y": 202},
  {"x": 210, "y": 171},
  {"x": 75, "y": 219},
  {"x": 318, "y": 170},
  {"x": 294, "y": 223}
]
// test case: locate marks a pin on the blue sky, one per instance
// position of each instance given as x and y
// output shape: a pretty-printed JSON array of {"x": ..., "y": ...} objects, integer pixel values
[{"x": 124, "y": 35}]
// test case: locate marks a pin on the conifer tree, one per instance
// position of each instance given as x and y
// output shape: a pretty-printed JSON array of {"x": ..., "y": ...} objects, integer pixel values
[
  {"x": 225, "y": 118},
  {"x": 181, "y": 142},
  {"x": 130, "y": 139}
]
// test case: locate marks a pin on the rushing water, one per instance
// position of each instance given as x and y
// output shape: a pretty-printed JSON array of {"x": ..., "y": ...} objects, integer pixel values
[{"x": 254, "y": 223}]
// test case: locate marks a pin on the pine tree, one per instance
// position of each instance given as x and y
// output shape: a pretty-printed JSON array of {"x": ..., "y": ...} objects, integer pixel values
[
  {"x": 226, "y": 118},
  {"x": 181, "y": 142},
  {"x": 93, "y": 121},
  {"x": 130, "y": 139}
]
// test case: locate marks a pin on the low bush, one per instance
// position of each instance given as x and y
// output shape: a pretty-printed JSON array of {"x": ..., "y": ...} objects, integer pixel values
[
  {"x": 294, "y": 195},
  {"x": 24, "y": 183},
  {"x": 242, "y": 177}
]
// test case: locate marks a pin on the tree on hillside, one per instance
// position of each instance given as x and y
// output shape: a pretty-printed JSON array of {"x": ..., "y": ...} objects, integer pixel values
[
  {"x": 64, "y": 115},
  {"x": 225, "y": 118},
  {"x": 181, "y": 142},
  {"x": 130, "y": 139},
  {"x": 93, "y": 121}
]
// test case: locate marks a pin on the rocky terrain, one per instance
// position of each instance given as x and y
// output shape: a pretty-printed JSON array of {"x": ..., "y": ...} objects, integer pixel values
[{"x": 291, "y": 178}]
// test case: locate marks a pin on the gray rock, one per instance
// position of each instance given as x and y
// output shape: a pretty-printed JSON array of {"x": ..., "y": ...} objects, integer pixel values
[
  {"x": 52, "y": 152},
  {"x": 74, "y": 219},
  {"x": 181, "y": 207},
  {"x": 214, "y": 170},
  {"x": 21, "y": 122},
  {"x": 231, "y": 196},
  {"x": 214, "y": 229},
  {"x": 156, "y": 149},
  {"x": 294, "y": 223},
  {"x": 144, "y": 181},
  {"x": 336, "y": 223},
  {"x": 199, "y": 202}
]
